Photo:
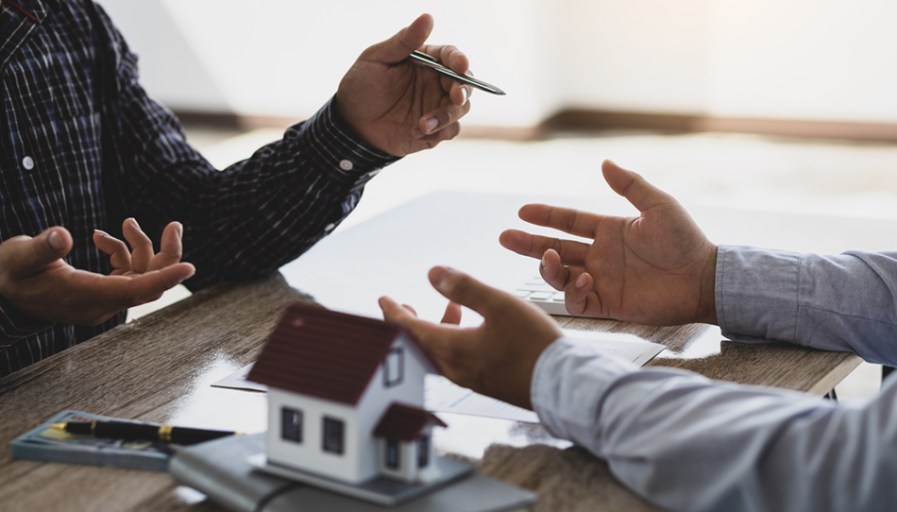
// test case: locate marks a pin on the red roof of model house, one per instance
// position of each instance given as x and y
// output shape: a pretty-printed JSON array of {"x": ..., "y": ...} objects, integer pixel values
[
  {"x": 326, "y": 354},
  {"x": 405, "y": 423}
]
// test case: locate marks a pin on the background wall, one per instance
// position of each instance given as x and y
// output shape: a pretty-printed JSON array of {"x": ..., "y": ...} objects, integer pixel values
[{"x": 788, "y": 59}]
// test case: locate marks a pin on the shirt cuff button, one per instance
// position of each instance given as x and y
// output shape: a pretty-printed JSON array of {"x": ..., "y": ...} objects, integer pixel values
[
  {"x": 28, "y": 163},
  {"x": 346, "y": 165}
]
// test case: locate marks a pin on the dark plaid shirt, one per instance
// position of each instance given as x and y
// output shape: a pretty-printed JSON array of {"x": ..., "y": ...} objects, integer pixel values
[{"x": 83, "y": 146}]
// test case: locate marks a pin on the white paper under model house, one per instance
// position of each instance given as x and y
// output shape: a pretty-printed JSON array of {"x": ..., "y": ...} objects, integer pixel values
[{"x": 345, "y": 397}]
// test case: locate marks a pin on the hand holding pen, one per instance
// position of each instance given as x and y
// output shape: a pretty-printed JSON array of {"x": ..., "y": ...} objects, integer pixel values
[{"x": 402, "y": 102}]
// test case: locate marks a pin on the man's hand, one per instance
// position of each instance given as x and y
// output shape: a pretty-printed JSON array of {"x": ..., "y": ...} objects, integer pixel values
[
  {"x": 142, "y": 260},
  {"x": 657, "y": 268},
  {"x": 498, "y": 357},
  {"x": 37, "y": 281},
  {"x": 397, "y": 106}
]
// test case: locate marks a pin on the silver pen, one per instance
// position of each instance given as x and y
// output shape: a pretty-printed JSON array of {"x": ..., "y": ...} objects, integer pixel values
[{"x": 422, "y": 59}]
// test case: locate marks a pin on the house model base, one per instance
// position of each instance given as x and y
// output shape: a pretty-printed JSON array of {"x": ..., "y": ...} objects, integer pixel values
[{"x": 381, "y": 490}]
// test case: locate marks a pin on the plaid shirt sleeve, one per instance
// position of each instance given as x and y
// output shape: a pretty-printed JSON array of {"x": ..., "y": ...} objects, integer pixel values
[
  {"x": 15, "y": 326},
  {"x": 83, "y": 146},
  {"x": 252, "y": 217}
]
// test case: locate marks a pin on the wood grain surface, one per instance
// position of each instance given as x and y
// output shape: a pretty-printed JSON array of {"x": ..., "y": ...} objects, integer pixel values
[{"x": 161, "y": 367}]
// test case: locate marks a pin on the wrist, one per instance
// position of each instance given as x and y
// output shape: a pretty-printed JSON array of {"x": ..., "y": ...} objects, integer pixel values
[
  {"x": 707, "y": 292},
  {"x": 341, "y": 109},
  {"x": 531, "y": 371},
  {"x": 338, "y": 146},
  {"x": 337, "y": 107},
  {"x": 542, "y": 375}
]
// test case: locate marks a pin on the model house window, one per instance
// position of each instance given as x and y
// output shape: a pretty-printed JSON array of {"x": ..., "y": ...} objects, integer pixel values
[
  {"x": 392, "y": 454},
  {"x": 334, "y": 431},
  {"x": 291, "y": 424},
  {"x": 393, "y": 369},
  {"x": 423, "y": 451}
]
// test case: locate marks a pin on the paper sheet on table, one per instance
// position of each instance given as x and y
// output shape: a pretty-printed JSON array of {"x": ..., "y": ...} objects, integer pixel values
[
  {"x": 444, "y": 396},
  {"x": 441, "y": 395}
]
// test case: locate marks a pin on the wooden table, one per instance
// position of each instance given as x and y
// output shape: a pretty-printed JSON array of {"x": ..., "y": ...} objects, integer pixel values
[{"x": 161, "y": 367}]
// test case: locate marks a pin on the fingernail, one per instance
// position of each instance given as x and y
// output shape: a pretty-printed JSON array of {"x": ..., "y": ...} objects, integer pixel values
[
  {"x": 440, "y": 281},
  {"x": 101, "y": 233},
  {"x": 439, "y": 278},
  {"x": 464, "y": 96},
  {"x": 179, "y": 230},
  {"x": 55, "y": 240},
  {"x": 132, "y": 219},
  {"x": 582, "y": 281},
  {"x": 430, "y": 125},
  {"x": 542, "y": 262}
]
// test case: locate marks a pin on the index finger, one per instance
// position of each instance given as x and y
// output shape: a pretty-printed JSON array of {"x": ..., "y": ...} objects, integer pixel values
[
  {"x": 568, "y": 220},
  {"x": 170, "y": 249},
  {"x": 429, "y": 336},
  {"x": 454, "y": 59},
  {"x": 534, "y": 246},
  {"x": 449, "y": 56},
  {"x": 118, "y": 253},
  {"x": 467, "y": 291},
  {"x": 141, "y": 246}
]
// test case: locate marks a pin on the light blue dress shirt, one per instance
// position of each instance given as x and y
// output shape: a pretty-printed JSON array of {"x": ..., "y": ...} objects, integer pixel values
[{"x": 689, "y": 443}]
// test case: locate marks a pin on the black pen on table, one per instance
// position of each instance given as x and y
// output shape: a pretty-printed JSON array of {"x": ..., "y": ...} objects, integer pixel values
[
  {"x": 128, "y": 431},
  {"x": 426, "y": 60}
]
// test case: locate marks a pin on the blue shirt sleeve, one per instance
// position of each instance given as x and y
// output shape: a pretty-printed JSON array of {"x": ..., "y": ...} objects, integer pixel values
[
  {"x": 845, "y": 303},
  {"x": 689, "y": 443}
]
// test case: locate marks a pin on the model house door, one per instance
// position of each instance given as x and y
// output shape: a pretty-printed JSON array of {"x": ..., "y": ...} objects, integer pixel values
[{"x": 392, "y": 454}]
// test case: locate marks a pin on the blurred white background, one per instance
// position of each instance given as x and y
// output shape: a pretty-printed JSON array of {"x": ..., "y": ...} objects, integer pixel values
[{"x": 826, "y": 59}]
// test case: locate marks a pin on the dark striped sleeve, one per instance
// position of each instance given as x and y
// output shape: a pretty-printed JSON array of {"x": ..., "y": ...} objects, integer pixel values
[
  {"x": 14, "y": 325},
  {"x": 252, "y": 217}
]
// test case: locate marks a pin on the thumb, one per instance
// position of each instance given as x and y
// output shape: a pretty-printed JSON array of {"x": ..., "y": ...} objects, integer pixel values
[
  {"x": 31, "y": 255},
  {"x": 398, "y": 47},
  {"x": 393, "y": 312},
  {"x": 396, "y": 314},
  {"x": 462, "y": 289},
  {"x": 633, "y": 187}
]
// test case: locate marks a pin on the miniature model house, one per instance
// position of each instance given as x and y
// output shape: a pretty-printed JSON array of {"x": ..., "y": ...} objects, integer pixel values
[{"x": 345, "y": 397}]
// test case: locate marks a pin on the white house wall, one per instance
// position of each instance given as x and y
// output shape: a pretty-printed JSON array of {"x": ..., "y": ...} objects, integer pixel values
[
  {"x": 359, "y": 424},
  {"x": 377, "y": 399},
  {"x": 309, "y": 454}
]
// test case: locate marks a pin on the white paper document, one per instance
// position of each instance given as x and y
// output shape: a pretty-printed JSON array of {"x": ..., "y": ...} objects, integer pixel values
[
  {"x": 441, "y": 395},
  {"x": 444, "y": 396}
]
